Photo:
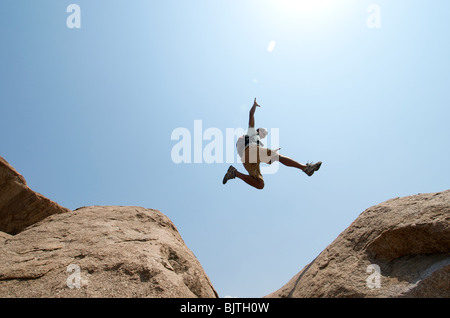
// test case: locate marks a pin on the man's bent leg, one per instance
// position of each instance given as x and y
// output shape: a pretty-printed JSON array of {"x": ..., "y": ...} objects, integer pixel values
[{"x": 257, "y": 183}]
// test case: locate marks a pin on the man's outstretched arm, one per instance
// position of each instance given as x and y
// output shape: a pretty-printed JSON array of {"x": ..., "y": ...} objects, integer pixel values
[{"x": 251, "y": 121}]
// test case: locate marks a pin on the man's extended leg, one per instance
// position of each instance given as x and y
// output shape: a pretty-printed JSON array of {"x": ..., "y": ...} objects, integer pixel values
[
  {"x": 291, "y": 162},
  {"x": 309, "y": 169}
]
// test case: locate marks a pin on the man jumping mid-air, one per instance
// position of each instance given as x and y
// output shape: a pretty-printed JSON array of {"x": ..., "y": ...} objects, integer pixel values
[{"x": 252, "y": 153}]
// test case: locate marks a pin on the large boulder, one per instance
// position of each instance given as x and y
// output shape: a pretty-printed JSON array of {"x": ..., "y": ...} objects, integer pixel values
[
  {"x": 101, "y": 251},
  {"x": 399, "y": 248},
  {"x": 20, "y": 206}
]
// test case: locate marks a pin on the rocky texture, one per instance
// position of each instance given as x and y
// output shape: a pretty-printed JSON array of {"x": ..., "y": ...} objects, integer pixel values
[
  {"x": 98, "y": 251},
  {"x": 4, "y": 236},
  {"x": 136, "y": 252},
  {"x": 117, "y": 251},
  {"x": 408, "y": 238},
  {"x": 19, "y": 205}
]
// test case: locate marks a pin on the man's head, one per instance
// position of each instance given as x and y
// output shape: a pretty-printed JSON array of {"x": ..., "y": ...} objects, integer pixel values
[{"x": 262, "y": 132}]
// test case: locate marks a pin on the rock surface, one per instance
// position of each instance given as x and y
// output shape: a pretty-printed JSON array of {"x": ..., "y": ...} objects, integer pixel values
[
  {"x": 399, "y": 248},
  {"x": 20, "y": 206},
  {"x": 90, "y": 252},
  {"x": 407, "y": 239},
  {"x": 101, "y": 252}
]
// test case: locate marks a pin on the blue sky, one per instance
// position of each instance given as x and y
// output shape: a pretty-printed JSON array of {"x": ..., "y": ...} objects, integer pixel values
[{"x": 87, "y": 115}]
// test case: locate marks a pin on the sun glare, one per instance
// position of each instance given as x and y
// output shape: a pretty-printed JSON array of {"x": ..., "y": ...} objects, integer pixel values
[
  {"x": 307, "y": 6},
  {"x": 305, "y": 12},
  {"x": 309, "y": 9}
]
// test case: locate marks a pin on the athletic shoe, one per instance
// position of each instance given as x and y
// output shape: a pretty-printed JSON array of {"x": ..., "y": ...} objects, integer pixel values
[
  {"x": 231, "y": 174},
  {"x": 311, "y": 168}
]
